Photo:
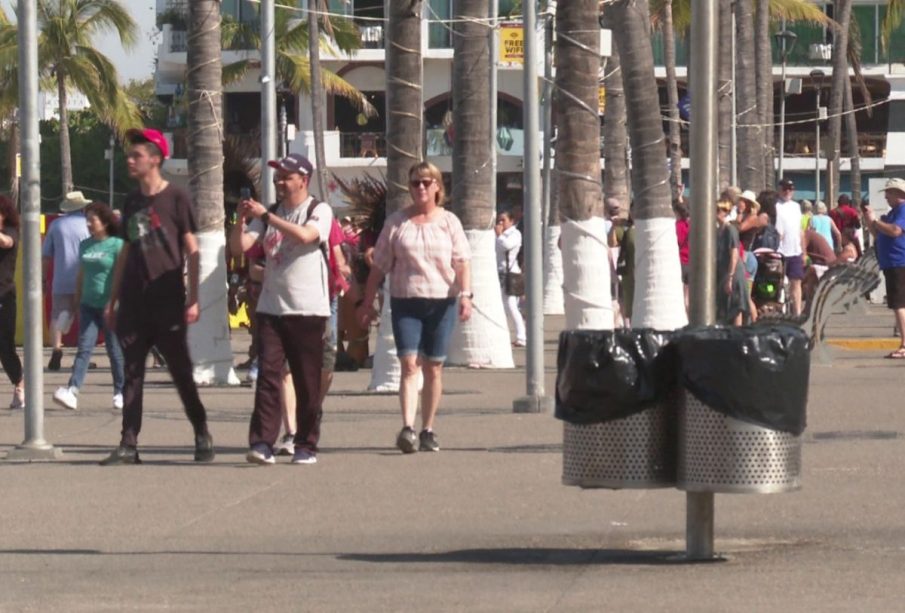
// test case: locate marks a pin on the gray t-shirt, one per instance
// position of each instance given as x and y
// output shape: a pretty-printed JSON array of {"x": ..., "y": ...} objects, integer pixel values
[{"x": 295, "y": 275}]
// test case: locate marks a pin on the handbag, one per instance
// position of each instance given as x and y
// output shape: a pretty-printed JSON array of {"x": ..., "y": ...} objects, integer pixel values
[{"x": 513, "y": 282}]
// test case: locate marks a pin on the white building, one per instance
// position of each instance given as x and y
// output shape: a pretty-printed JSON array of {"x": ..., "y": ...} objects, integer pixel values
[{"x": 49, "y": 104}]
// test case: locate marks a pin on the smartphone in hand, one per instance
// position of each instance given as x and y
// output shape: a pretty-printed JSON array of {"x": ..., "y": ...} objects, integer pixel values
[{"x": 244, "y": 193}]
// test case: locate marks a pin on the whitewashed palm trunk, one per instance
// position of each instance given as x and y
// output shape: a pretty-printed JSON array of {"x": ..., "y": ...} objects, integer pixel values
[
  {"x": 553, "y": 273},
  {"x": 209, "y": 338},
  {"x": 484, "y": 339},
  {"x": 659, "y": 301},
  {"x": 586, "y": 273}
]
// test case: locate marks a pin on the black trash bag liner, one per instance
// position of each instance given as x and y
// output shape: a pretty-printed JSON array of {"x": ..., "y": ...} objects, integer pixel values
[
  {"x": 756, "y": 374},
  {"x": 604, "y": 375}
]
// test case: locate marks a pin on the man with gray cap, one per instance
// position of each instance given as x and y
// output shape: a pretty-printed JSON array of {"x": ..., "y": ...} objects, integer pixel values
[
  {"x": 889, "y": 233},
  {"x": 61, "y": 248},
  {"x": 293, "y": 307}
]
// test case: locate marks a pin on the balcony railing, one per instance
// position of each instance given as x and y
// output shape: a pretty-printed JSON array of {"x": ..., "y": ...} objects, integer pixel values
[
  {"x": 178, "y": 41},
  {"x": 372, "y": 37},
  {"x": 803, "y": 144}
]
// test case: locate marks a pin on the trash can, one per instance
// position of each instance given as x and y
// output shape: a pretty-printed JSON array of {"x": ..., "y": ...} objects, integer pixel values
[
  {"x": 743, "y": 409},
  {"x": 615, "y": 391}
]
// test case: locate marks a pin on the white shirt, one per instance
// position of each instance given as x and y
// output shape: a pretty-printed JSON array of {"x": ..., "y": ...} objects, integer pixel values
[
  {"x": 788, "y": 224},
  {"x": 296, "y": 274},
  {"x": 507, "y": 247}
]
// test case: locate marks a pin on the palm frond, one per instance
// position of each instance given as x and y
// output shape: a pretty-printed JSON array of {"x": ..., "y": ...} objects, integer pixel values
[
  {"x": 895, "y": 11},
  {"x": 236, "y": 71},
  {"x": 296, "y": 71},
  {"x": 367, "y": 198},
  {"x": 105, "y": 16}
]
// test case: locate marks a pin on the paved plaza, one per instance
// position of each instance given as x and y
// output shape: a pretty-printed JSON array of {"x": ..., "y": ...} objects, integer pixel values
[{"x": 484, "y": 525}]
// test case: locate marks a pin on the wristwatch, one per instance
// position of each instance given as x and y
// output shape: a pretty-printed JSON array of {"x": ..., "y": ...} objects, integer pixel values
[{"x": 469, "y": 295}]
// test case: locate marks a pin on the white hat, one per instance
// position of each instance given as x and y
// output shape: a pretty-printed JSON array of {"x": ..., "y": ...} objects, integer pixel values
[
  {"x": 74, "y": 201},
  {"x": 898, "y": 184},
  {"x": 749, "y": 196}
]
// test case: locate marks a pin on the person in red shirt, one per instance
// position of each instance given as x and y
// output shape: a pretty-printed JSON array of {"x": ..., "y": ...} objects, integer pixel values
[
  {"x": 848, "y": 220},
  {"x": 683, "y": 229}
]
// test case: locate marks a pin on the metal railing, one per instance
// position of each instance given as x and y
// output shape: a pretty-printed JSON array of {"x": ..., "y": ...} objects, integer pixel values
[{"x": 362, "y": 145}]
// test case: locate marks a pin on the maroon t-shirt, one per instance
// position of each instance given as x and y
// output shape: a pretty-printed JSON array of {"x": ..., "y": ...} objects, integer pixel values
[{"x": 153, "y": 227}]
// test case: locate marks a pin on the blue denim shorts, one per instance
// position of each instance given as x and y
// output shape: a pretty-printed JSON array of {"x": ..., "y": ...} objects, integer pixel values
[{"x": 423, "y": 326}]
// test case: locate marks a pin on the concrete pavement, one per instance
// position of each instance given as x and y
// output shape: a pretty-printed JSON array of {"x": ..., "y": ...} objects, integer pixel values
[{"x": 484, "y": 525}]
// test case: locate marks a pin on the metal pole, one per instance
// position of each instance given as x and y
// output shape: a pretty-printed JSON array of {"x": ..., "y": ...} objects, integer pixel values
[
  {"x": 817, "y": 148},
  {"x": 699, "y": 505},
  {"x": 34, "y": 447},
  {"x": 548, "y": 114},
  {"x": 112, "y": 157},
  {"x": 733, "y": 172},
  {"x": 782, "y": 113},
  {"x": 494, "y": 88},
  {"x": 534, "y": 402},
  {"x": 268, "y": 100},
  {"x": 284, "y": 145}
]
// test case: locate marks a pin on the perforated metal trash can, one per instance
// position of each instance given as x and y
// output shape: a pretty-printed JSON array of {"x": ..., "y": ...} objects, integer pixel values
[
  {"x": 722, "y": 454},
  {"x": 636, "y": 452}
]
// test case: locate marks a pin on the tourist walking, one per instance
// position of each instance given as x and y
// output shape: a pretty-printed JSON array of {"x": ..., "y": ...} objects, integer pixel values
[
  {"x": 788, "y": 225},
  {"x": 150, "y": 301},
  {"x": 889, "y": 234},
  {"x": 508, "y": 244},
  {"x": 61, "y": 249},
  {"x": 9, "y": 249},
  {"x": 293, "y": 307},
  {"x": 424, "y": 251},
  {"x": 97, "y": 255},
  {"x": 732, "y": 289}
]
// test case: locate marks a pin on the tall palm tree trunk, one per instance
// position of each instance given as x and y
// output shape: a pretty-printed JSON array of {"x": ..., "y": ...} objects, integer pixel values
[
  {"x": 11, "y": 158},
  {"x": 209, "y": 338},
  {"x": 764, "y": 67},
  {"x": 851, "y": 129},
  {"x": 615, "y": 136},
  {"x": 404, "y": 132},
  {"x": 750, "y": 135},
  {"x": 484, "y": 339},
  {"x": 659, "y": 301},
  {"x": 672, "y": 95},
  {"x": 725, "y": 94},
  {"x": 843, "y": 16},
  {"x": 586, "y": 272},
  {"x": 553, "y": 296},
  {"x": 65, "y": 148},
  {"x": 317, "y": 98}
]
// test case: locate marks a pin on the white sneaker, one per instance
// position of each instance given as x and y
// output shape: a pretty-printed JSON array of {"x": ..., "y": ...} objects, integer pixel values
[
  {"x": 252, "y": 375},
  {"x": 18, "y": 401},
  {"x": 117, "y": 402},
  {"x": 66, "y": 398}
]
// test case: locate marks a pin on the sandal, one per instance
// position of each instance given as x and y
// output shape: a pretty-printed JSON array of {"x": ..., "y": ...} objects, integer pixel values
[{"x": 898, "y": 354}]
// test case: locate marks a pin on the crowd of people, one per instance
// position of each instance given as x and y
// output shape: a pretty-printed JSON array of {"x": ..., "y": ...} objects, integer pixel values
[{"x": 134, "y": 278}]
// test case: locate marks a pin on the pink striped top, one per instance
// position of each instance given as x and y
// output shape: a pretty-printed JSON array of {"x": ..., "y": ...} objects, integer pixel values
[{"x": 420, "y": 257}]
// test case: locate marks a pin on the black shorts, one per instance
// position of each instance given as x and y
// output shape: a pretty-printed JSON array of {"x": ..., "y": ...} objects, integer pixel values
[
  {"x": 895, "y": 287},
  {"x": 795, "y": 267}
]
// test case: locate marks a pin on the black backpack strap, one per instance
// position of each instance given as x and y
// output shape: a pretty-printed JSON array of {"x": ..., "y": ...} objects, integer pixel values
[{"x": 324, "y": 241}]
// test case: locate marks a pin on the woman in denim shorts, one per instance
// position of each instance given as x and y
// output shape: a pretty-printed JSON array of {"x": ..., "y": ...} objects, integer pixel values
[{"x": 424, "y": 252}]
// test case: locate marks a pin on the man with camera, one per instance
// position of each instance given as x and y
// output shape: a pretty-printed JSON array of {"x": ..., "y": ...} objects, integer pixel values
[
  {"x": 889, "y": 233},
  {"x": 293, "y": 307}
]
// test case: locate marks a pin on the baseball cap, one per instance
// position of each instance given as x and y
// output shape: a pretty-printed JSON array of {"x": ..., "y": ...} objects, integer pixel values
[
  {"x": 149, "y": 135},
  {"x": 787, "y": 183},
  {"x": 293, "y": 162},
  {"x": 898, "y": 184}
]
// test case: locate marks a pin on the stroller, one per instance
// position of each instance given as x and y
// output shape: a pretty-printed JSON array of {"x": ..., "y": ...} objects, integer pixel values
[{"x": 768, "y": 290}]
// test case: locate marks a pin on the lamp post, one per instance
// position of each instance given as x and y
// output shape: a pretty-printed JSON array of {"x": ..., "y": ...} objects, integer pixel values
[
  {"x": 817, "y": 75},
  {"x": 786, "y": 40}
]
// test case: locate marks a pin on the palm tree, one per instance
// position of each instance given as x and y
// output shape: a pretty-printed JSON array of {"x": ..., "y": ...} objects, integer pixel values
[
  {"x": 763, "y": 52},
  {"x": 615, "y": 136},
  {"x": 69, "y": 59},
  {"x": 211, "y": 350},
  {"x": 483, "y": 340},
  {"x": 658, "y": 301},
  {"x": 843, "y": 16},
  {"x": 586, "y": 273},
  {"x": 725, "y": 94},
  {"x": 750, "y": 134},
  {"x": 851, "y": 131},
  {"x": 672, "y": 95},
  {"x": 317, "y": 97},
  {"x": 404, "y": 132}
]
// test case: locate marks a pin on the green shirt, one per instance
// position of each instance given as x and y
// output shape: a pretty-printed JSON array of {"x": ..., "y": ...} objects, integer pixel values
[{"x": 97, "y": 259}]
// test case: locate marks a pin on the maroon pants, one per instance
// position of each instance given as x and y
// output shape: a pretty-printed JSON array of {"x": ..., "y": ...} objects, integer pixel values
[
  {"x": 139, "y": 328},
  {"x": 299, "y": 340}
]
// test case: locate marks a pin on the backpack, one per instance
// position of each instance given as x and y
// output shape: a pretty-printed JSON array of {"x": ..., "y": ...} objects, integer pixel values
[{"x": 768, "y": 238}]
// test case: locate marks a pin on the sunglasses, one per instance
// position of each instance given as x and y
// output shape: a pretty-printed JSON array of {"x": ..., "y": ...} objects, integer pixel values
[{"x": 425, "y": 183}]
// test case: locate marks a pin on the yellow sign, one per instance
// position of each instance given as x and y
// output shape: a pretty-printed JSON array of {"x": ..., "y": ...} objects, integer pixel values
[
  {"x": 601, "y": 100},
  {"x": 512, "y": 43}
]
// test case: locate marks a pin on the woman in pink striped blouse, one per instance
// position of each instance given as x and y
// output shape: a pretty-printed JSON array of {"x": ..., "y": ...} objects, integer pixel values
[{"x": 424, "y": 251}]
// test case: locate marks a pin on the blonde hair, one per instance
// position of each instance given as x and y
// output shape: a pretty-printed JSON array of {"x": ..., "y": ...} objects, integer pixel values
[
  {"x": 724, "y": 205},
  {"x": 426, "y": 169}
]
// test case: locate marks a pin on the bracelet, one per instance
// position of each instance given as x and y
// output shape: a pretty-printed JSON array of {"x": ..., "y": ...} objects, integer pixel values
[{"x": 469, "y": 295}]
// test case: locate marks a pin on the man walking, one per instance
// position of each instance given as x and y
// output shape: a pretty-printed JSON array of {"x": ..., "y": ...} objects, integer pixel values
[
  {"x": 788, "y": 225},
  {"x": 889, "y": 233},
  {"x": 293, "y": 308},
  {"x": 61, "y": 247},
  {"x": 149, "y": 289}
]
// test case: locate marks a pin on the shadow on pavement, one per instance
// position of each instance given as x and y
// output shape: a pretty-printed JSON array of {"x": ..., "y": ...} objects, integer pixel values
[{"x": 528, "y": 557}]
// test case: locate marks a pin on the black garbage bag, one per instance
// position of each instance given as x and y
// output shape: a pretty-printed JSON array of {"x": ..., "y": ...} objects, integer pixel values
[
  {"x": 603, "y": 375},
  {"x": 757, "y": 374}
]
